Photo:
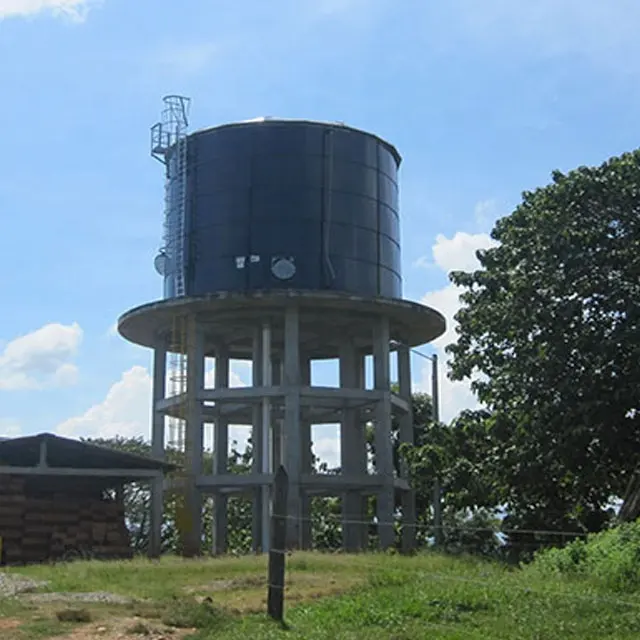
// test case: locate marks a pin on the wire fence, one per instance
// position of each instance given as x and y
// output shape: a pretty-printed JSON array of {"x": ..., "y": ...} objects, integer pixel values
[
  {"x": 490, "y": 582},
  {"x": 418, "y": 526}
]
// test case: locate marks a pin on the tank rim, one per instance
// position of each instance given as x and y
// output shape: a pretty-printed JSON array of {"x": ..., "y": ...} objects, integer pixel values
[
  {"x": 266, "y": 121},
  {"x": 412, "y": 323}
]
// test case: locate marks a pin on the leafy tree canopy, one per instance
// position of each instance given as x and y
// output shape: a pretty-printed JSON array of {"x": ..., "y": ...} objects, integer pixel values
[{"x": 550, "y": 331}]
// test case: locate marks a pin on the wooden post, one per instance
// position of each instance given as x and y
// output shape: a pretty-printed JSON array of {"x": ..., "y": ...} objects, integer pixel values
[
  {"x": 277, "y": 551},
  {"x": 437, "y": 498}
]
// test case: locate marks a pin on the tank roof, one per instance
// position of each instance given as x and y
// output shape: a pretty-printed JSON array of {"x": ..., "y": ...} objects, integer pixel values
[{"x": 321, "y": 123}]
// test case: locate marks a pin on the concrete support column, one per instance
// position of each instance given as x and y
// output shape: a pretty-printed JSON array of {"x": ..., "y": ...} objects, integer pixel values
[
  {"x": 352, "y": 451},
  {"x": 193, "y": 439},
  {"x": 306, "y": 530},
  {"x": 292, "y": 439},
  {"x": 256, "y": 442},
  {"x": 266, "y": 461},
  {"x": 408, "y": 541},
  {"x": 157, "y": 448},
  {"x": 277, "y": 426},
  {"x": 221, "y": 456},
  {"x": 362, "y": 455},
  {"x": 383, "y": 444}
]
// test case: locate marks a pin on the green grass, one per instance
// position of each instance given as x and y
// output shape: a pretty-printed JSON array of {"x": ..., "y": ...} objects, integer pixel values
[
  {"x": 342, "y": 597},
  {"x": 610, "y": 559},
  {"x": 436, "y": 597}
]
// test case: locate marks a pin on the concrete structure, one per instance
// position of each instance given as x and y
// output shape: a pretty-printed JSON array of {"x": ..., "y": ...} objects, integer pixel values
[
  {"x": 282, "y": 246},
  {"x": 280, "y": 333}
]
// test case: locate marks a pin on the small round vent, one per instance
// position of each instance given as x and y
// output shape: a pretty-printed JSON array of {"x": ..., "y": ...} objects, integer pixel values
[{"x": 283, "y": 268}]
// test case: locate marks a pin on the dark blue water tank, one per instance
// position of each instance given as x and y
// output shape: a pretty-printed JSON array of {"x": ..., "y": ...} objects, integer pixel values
[{"x": 279, "y": 204}]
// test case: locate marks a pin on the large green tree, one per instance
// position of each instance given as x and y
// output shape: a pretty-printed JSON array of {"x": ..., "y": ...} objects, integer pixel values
[{"x": 549, "y": 331}]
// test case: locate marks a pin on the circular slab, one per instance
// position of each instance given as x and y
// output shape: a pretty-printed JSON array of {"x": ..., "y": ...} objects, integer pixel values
[{"x": 327, "y": 319}]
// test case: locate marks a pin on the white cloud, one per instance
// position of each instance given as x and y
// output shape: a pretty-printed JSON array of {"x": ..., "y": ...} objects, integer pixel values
[
  {"x": 126, "y": 409},
  {"x": 66, "y": 375},
  {"x": 457, "y": 253},
  {"x": 75, "y": 10},
  {"x": 423, "y": 262},
  {"x": 451, "y": 254},
  {"x": 10, "y": 428},
  {"x": 41, "y": 358},
  {"x": 326, "y": 444}
]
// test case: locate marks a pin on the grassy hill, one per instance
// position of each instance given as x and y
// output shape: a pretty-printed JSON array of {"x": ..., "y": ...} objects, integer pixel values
[{"x": 328, "y": 596}]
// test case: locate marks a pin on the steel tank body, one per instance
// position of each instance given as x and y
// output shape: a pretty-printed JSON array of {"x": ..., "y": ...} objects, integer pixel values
[{"x": 278, "y": 204}]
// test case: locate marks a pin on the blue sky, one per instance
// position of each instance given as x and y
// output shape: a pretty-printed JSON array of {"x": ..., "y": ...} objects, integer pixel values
[{"x": 483, "y": 100}]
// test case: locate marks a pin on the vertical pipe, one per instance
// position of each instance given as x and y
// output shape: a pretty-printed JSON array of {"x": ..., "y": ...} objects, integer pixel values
[
  {"x": 361, "y": 454},
  {"x": 266, "y": 433},
  {"x": 277, "y": 427},
  {"x": 406, "y": 436},
  {"x": 384, "y": 448},
  {"x": 306, "y": 530},
  {"x": 327, "y": 205},
  {"x": 256, "y": 443},
  {"x": 292, "y": 441},
  {"x": 157, "y": 447},
  {"x": 437, "y": 498}
]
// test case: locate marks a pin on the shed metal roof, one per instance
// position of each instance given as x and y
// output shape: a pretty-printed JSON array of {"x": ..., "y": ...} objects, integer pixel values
[{"x": 69, "y": 453}]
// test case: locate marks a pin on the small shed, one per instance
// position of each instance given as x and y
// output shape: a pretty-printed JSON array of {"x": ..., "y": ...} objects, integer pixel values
[{"x": 61, "y": 498}]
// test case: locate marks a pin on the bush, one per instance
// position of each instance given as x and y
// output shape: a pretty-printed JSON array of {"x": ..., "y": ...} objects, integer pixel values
[
  {"x": 187, "y": 613},
  {"x": 610, "y": 558}
]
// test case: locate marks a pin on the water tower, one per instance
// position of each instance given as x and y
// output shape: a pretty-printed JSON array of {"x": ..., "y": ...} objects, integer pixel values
[{"x": 281, "y": 247}]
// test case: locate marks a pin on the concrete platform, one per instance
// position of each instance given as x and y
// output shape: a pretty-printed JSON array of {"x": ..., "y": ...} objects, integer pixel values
[
  {"x": 319, "y": 405},
  {"x": 326, "y": 319}
]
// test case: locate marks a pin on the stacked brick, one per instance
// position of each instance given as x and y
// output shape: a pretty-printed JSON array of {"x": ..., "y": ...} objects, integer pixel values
[{"x": 40, "y": 525}]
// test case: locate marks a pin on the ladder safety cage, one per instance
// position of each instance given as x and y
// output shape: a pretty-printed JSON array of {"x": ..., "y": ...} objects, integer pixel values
[{"x": 169, "y": 145}]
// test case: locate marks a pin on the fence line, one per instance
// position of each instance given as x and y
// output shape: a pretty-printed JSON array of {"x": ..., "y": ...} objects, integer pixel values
[
  {"x": 278, "y": 553},
  {"x": 429, "y": 527},
  {"x": 490, "y": 582}
]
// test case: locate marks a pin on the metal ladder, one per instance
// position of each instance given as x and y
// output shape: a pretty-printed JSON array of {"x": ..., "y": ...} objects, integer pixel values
[
  {"x": 178, "y": 381},
  {"x": 169, "y": 145},
  {"x": 180, "y": 203},
  {"x": 178, "y": 362}
]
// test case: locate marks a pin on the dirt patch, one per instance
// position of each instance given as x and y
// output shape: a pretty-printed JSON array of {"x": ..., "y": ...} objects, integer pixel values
[
  {"x": 235, "y": 584},
  {"x": 126, "y": 629},
  {"x": 249, "y": 594},
  {"x": 6, "y": 624},
  {"x": 101, "y": 597}
]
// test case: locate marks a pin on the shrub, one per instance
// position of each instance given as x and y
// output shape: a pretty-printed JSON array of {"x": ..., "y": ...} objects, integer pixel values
[
  {"x": 187, "y": 613},
  {"x": 610, "y": 558}
]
